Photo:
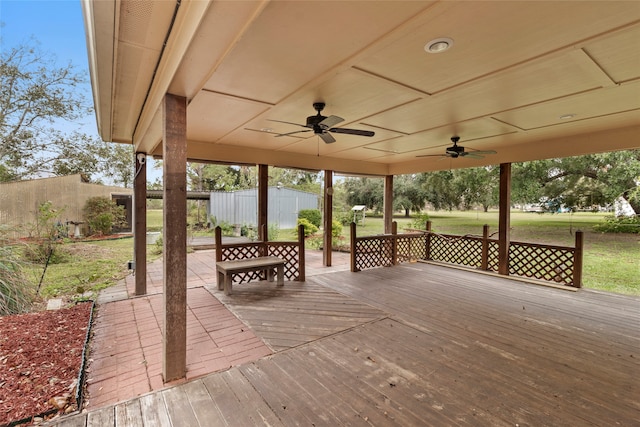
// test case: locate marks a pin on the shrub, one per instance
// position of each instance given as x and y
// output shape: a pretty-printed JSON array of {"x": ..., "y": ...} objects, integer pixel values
[
  {"x": 614, "y": 224},
  {"x": 309, "y": 228},
  {"x": 420, "y": 221},
  {"x": 273, "y": 231},
  {"x": 345, "y": 217},
  {"x": 336, "y": 228},
  {"x": 312, "y": 215},
  {"x": 16, "y": 295},
  {"x": 102, "y": 214}
]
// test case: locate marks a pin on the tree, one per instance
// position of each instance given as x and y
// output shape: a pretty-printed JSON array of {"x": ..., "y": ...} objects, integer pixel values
[
  {"x": 36, "y": 93},
  {"x": 365, "y": 191},
  {"x": 581, "y": 181},
  {"x": 408, "y": 194},
  {"x": 441, "y": 189}
]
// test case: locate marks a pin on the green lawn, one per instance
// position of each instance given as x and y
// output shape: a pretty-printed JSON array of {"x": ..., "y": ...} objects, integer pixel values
[{"x": 610, "y": 260}]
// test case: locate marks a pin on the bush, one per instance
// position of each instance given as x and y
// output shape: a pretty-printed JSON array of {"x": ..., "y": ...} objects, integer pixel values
[
  {"x": 614, "y": 224},
  {"x": 16, "y": 295},
  {"x": 309, "y": 228},
  {"x": 336, "y": 228},
  {"x": 102, "y": 214},
  {"x": 420, "y": 221},
  {"x": 312, "y": 215},
  {"x": 345, "y": 217},
  {"x": 39, "y": 252},
  {"x": 273, "y": 231}
]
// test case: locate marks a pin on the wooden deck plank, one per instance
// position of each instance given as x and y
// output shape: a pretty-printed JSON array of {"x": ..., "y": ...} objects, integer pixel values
[
  {"x": 200, "y": 400},
  {"x": 101, "y": 417},
  {"x": 128, "y": 414},
  {"x": 154, "y": 411},
  {"x": 178, "y": 407},
  {"x": 299, "y": 313},
  {"x": 420, "y": 344}
]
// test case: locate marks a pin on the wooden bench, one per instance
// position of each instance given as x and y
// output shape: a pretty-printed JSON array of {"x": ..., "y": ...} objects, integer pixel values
[{"x": 226, "y": 269}]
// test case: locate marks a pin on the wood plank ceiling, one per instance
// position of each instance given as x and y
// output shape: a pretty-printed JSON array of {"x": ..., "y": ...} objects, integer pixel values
[{"x": 527, "y": 79}]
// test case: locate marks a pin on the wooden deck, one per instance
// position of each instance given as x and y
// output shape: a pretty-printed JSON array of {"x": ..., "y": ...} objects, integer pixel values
[{"x": 427, "y": 346}]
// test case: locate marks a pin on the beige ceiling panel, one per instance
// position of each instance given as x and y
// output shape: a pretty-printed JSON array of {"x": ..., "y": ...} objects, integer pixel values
[
  {"x": 431, "y": 141},
  {"x": 221, "y": 28},
  {"x": 293, "y": 42},
  {"x": 349, "y": 94},
  {"x": 619, "y": 54},
  {"x": 135, "y": 67},
  {"x": 587, "y": 105},
  {"x": 484, "y": 41},
  {"x": 210, "y": 116},
  {"x": 548, "y": 78}
]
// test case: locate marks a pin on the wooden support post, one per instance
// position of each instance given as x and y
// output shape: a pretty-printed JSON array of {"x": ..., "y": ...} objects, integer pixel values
[
  {"x": 174, "y": 156},
  {"x": 504, "y": 219},
  {"x": 484, "y": 262},
  {"x": 577, "y": 260},
  {"x": 263, "y": 202},
  {"x": 352, "y": 241},
  {"x": 140, "y": 223},
  {"x": 427, "y": 249},
  {"x": 394, "y": 243},
  {"x": 218, "y": 237},
  {"x": 301, "y": 256},
  {"x": 328, "y": 218},
  {"x": 388, "y": 203}
]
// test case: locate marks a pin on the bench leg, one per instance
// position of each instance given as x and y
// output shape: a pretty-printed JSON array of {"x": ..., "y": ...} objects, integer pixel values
[
  {"x": 220, "y": 281},
  {"x": 227, "y": 284},
  {"x": 270, "y": 274},
  {"x": 280, "y": 275}
]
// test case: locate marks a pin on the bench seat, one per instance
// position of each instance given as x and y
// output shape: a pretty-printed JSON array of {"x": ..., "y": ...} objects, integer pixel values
[{"x": 226, "y": 269}]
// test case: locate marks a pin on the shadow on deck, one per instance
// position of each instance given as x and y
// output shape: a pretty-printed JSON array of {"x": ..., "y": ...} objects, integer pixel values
[{"x": 411, "y": 345}]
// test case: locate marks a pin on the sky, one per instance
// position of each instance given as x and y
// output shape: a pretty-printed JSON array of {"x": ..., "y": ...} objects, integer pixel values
[{"x": 58, "y": 27}]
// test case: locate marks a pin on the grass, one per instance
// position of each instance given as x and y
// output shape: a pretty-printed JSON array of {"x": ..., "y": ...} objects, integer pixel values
[{"x": 610, "y": 260}]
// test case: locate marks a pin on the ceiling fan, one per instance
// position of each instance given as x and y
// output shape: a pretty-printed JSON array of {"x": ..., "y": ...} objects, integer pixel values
[
  {"x": 321, "y": 126},
  {"x": 456, "y": 151}
]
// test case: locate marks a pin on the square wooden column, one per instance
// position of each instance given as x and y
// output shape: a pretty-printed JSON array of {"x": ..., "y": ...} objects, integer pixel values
[
  {"x": 328, "y": 218},
  {"x": 504, "y": 219},
  {"x": 388, "y": 204},
  {"x": 140, "y": 223},
  {"x": 263, "y": 202},
  {"x": 174, "y": 156}
]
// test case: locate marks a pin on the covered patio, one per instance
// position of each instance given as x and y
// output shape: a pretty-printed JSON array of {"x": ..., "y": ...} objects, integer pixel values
[
  {"x": 425, "y": 345},
  {"x": 238, "y": 82}
]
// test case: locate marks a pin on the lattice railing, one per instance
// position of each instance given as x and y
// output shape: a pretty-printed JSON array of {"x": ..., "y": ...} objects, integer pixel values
[
  {"x": 551, "y": 263},
  {"x": 558, "y": 264},
  {"x": 291, "y": 252},
  {"x": 385, "y": 249},
  {"x": 461, "y": 250}
]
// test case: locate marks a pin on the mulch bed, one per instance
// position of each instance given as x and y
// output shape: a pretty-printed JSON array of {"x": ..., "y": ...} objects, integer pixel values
[{"x": 40, "y": 361}]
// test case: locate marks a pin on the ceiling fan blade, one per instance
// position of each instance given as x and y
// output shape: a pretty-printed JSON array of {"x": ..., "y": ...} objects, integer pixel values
[
  {"x": 291, "y": 133},
  {"x": 331, "y": 121},
  {"x": 352, "y": 131},
  {"x": 289, "y": 123},
  {"x": 472, "y": 155},
  {"x": 326, "y": 137},
  {"x": 483, "y": 152}
]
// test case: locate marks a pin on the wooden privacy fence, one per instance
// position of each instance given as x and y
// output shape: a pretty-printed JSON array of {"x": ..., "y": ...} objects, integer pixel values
[
  {"x": 291, "y": 252},
  {"x": 557, "y": 264}
]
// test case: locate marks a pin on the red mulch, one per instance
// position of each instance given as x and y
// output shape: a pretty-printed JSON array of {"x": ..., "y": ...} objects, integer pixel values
[{"x": 40, "y": 359}]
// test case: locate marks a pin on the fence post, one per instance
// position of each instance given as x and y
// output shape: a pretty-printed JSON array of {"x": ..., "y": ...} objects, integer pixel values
[
  {"x": 577, "y": 260},
  {"x": 352, "y": 241},
  {"x": 427, "y": 243},
  {"x": 218, "y": 234},
  {"x": 301, "y": 256},
  {"x": 394, "y": 243},
  {"x": 484, "y": 262}
]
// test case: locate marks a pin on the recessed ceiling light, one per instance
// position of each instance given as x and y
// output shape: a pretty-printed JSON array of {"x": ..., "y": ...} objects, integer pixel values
[
  {"x": 567, "y": 116},
  {"x": 266, "y": 130},
  {"x": 438, "y": 45}
]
